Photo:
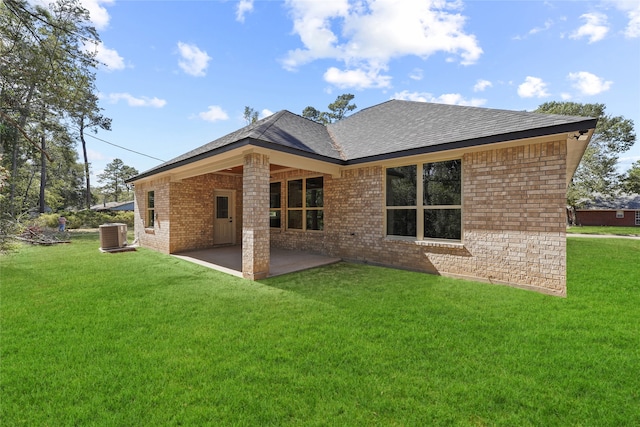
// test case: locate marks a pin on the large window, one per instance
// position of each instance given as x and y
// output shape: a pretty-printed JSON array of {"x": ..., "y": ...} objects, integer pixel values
[
  {"x": 425, "y": 201},
  {"x": 637, "y": 217},
  {"x": 305, "y": 202},
  {"x": 401, "y": 201},
  {"x": 151, "y": 211},
  {"x": 275, "y": 204}
]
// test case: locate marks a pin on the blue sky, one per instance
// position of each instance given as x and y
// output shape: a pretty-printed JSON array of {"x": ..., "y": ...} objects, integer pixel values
[{"x": 178, "y": 74}]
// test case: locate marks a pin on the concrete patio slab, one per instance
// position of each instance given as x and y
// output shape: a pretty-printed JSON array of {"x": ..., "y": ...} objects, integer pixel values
[{"x": 228, "y": 259}]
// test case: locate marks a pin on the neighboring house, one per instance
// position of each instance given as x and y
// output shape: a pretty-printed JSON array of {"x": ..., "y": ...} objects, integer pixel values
[
  {"x": 459, "y": 191},
  {"x": 114, "y": 206},
  {"x": 621, "y": 211}
]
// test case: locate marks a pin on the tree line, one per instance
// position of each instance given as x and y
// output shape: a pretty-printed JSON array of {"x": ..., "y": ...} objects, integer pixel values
[{"x": 48, "y": 104}]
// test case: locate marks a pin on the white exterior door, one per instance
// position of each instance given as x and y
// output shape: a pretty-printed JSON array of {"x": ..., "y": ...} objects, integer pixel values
[{"x": 223, "y": 221}]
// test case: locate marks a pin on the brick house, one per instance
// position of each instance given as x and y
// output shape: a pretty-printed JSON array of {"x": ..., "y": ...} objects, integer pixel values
[
  {"x": 460, "y": 191},
  {"x": 622, "y": 211}
]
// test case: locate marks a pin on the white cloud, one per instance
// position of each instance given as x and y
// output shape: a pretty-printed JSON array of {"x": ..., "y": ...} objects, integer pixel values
[
  {"x": 457, "y": 99},
  {"x": 447, "y": 98},
  {"x": 565, "y": 96},
  {"x": 533, "y": 87},
  {"x": 359, "y": 79},
  {"x": 132, "y": 101},
  {"x": 372, "y": 32},
  {"x": 99, "y": 15},
  {"x": 194, "y": 61},
  {"x": 547, "y": 25},
  {"x": 633, "y": 28},
  {"x": 416, "y": 74},
  {"x": 244, "y": 6},
  {"x": 481, "y": 85},
  {"x": 110, "y": 58},
  {"x": 405, "y": 95},
  {"x": 213, "y": 114},
  {"x": 535, "y": 30},
  {"x": 589, "y": 84},
  {"x": 632, "y": 8},
  {"x": 595, "y": 27}
]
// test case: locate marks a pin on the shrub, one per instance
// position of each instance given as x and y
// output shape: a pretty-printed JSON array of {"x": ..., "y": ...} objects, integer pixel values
[
  {"x": 8, "y": 227},
  {"x": 85, "y": 219},
  {"x": 47, "y": 220}
]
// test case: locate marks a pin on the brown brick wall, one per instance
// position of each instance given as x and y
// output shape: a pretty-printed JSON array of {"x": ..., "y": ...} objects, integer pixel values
[
  {"x": 192, "y": 210},
  {"x": 606, "y": 217},
  {"x": 156, "y": 237},
  {"x": 187, "y": 222},
  {"x": 521, "y": 188},
  {"x": 513, "y": 219}
]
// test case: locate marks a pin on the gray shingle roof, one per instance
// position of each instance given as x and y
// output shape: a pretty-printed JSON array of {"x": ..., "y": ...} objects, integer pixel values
[
  {"x": 282, "y": 129},
  {"x": 401, "y": 126},
  {"x": 114, "y": 206},
  {"x": 622, "y": 201},
  {"x": 391, "y": 129}
]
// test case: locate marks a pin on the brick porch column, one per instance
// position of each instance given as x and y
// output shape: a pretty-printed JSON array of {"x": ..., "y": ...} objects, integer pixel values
[{"x": 255, "y": 216}]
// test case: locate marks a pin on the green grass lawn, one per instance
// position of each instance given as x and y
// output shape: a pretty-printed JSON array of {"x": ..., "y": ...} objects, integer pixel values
[
  {"x": 140, "y": 338},
  {"x": 591, "y": 229}
]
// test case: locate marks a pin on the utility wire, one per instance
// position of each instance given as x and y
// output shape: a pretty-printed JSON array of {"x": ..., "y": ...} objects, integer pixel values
[{"x": 124, "y": 148}]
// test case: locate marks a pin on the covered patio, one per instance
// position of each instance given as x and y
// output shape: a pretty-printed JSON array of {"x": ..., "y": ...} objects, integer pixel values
[{"x": 228, "y": 259}]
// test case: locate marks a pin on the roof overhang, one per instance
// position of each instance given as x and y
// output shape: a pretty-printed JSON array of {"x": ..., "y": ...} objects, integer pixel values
[
  {"x": 577, "y": 143},
  {"x": 581, "y": 127},
  {"x": 231, "y": 156}
]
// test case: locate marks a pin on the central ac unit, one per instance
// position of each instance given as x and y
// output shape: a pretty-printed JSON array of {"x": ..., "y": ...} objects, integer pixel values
[{"x": 113, "y": 236}]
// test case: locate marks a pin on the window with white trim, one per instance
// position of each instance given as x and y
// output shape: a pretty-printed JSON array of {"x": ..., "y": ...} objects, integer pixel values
[
  {"x": 637, "y": 217},
  {"x": 305, "y": 204},
  {"x": 425, "y": 201},
  {"x": 619, "y": 214}
]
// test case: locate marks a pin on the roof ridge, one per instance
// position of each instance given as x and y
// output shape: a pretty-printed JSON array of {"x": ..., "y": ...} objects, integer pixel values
[
  {"x": 266, "y": 124},
  {"x": 336, "y": 145},
  {"x": 477, "y": 107}
]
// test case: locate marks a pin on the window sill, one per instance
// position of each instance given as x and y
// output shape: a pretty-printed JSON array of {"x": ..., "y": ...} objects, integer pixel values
[
  {"x": 439, "y": 244},
  {"x": 453, "y": 244}
]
